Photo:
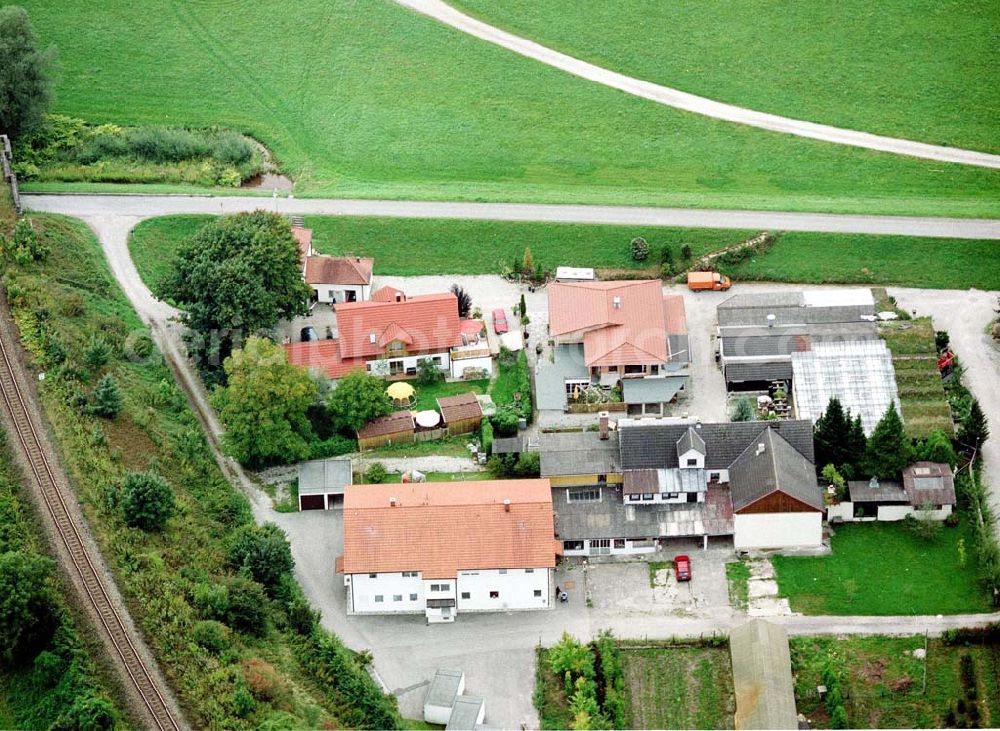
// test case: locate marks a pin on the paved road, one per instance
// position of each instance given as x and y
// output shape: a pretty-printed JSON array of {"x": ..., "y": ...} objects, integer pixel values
[
  {"x": 147, "y": 206},
  {"x": 667, "y": 96}
]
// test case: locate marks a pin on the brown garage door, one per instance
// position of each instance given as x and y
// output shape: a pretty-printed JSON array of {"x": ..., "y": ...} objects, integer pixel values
[{"x": 312, "y": 502}]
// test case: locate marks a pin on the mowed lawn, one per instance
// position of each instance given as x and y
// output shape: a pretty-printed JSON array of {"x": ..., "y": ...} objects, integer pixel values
[
  {"x": 678, "y": 687},
  {"x": 883, "y": 569},
  {"x": 410, "y": 247},
  {"x": 917, "y": 69},
  {"x": 365, "y": 98}
]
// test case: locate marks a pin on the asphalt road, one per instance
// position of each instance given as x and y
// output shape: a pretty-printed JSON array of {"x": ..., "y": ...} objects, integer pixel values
[
  {"x": 667, "y": 96},
  {"x": 147, "y": 206}
]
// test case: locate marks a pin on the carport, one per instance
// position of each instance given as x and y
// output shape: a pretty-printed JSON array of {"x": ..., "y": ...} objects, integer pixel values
[{"x": 322, "y": 483}]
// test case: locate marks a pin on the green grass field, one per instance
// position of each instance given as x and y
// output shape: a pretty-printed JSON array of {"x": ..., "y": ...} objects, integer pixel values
[
  {"x": 922, "y": 577},
  {"x": 369, "y": 99},
  {"x": 917, "y": 69},
  {"x": 883, "y": 681},
  {"x": 426, "y": 396},
  {"x": 418, "y": 246}
]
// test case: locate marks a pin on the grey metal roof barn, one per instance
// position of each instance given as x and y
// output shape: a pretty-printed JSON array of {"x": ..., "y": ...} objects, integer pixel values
[
  {"x": 859, "y": 373},
  {"x": 762, "y": 676},
  {"x": 770, "y": 464}
]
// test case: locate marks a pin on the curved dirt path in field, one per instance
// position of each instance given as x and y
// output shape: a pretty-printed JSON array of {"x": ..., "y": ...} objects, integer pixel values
[{"x": 677, "y": 99}]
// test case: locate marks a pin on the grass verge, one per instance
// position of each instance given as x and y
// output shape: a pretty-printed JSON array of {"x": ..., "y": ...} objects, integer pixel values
[
  {"x": 738, "y": 579},
  {"x": 282, "y": 671},
  {"x": 408, "y": 247},
  {"x": 923, "y": 577}
]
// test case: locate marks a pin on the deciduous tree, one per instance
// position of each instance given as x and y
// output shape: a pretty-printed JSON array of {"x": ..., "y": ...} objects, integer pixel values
[
  {"x": 237, "y": 276},
  {"x": 264, "y": 405},
  {"x": 27, "y": 73},
  {"x": 263, "y": 552},
  {"x": 358, "y": 398},
  {"x": 25, "y": 603}
]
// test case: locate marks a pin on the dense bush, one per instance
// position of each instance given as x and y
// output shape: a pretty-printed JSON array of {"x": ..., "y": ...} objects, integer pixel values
[
  {"x": 333, "y": 446},
  {"x": 263, "y": 552},
  {"x": 428, "y": 373},
  {"x": 376, "y": 473},
  {"x": 147, "y": 500},
  {"x": 248, "y": 606},
  {"x": 26, "y": 618},
  {"x": 486, "y": 436},
  {"x": 505, "y": 422},
  {"x": 639, "y": 248},
  {"x": 512, "y": 466}
]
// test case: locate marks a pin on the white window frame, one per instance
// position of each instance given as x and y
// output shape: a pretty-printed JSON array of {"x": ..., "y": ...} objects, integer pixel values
[{"x": 595, "y": 491}]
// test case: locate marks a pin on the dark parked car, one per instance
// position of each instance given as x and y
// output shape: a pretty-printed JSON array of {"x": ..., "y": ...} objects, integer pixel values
[
  {"x": 500, "y": 325},
  {"x": 682, "y": 565},
  {"x": 308, "y": 334}
]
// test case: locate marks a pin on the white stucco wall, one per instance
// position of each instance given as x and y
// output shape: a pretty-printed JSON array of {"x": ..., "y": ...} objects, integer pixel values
[
  {"x": 516, "y": 589},
  {"x": 886, "y": 513},
  {"x": 458, "y": 366},
  {"x": 841, "y": 511},
  {"x": 338, "y": 292},
  {"x": 408, "y": 362},
  {"x": 631, "y": 548},
  {"x": 777, "y": 530},
  {"x": 682, "y": 459},
  {"x": 363, "y": 591}
]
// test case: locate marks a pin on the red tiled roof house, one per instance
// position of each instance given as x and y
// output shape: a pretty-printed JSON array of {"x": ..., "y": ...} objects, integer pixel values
[
  {"x": 333, "y": 279},
  {"x": 389, "y": 336},
  {"x": 449, "y": 547}
]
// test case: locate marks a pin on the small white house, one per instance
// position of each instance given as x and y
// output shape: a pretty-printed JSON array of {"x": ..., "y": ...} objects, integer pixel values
[
  {"x": 337, "y": 279},
  {"x": 927, "y": 487},
  {"x": 443, "y": 548}
]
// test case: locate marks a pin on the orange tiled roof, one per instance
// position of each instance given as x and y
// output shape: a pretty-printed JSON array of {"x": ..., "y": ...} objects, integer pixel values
[
  {"x": 673, "y": 313},
  {"x": 304, "y": 237},
  {"x": 323, "y": 354},
  {"x": 322, "y": 269},
  {"x": 441, "y": 528},
  {"x": 387, "y": 294},
  {"x": 617, "y": 322},
  {"x": 457, "y": 408},
  {"x": 430, "y": 322}
]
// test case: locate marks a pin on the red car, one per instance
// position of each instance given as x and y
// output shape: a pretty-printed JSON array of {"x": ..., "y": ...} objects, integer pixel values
[
  {"x": 682, "y": 565},
  {"x": 500, "y": 322}
]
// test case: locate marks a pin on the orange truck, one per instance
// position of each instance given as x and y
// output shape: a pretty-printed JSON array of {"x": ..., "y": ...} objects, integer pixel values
[{"x": 708, "y": 280}]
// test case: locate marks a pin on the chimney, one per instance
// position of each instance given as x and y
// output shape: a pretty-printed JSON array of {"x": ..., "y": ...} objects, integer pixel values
[
  {"x": 506, "y": 506},
  {"x": 602, "y": 421},
  {"x": 770, "y": 320},
  {"x": 392, "y": 502},
  {"x": 616, "y": 302},
  {"x": 760, "y": 448}
]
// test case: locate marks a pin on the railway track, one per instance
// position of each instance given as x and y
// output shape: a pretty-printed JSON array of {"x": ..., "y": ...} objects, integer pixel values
[{"x": 27, "y": 436}]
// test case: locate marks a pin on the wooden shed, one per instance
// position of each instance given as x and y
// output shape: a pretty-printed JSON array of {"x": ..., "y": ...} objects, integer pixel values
[
  {"x": 395, "y": 428},
  {"x": 462, "y": 414}
]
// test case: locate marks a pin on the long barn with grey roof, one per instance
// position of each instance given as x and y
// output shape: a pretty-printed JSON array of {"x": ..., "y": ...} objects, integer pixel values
[{"x": 653, "y": 480}]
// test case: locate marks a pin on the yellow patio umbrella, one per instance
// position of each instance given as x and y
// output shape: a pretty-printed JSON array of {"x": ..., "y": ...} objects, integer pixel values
[{"x": 400, "y": 392}]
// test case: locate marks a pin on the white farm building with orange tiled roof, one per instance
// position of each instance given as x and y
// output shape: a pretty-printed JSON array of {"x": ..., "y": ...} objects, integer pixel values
[{"x": 441, "y": 548}]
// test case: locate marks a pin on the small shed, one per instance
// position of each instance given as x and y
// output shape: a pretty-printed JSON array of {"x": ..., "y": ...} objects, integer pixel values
[
  {"x": 441, "y": 695},
  {"x": 762, "y": 676},
  {"x": 395, "y": 428},
  {"x": 462, "y": 414},
  {"x": 322, "y": 483},
  {"x": 575, "y": 274},
  {"x": 467, "y": 713}
]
